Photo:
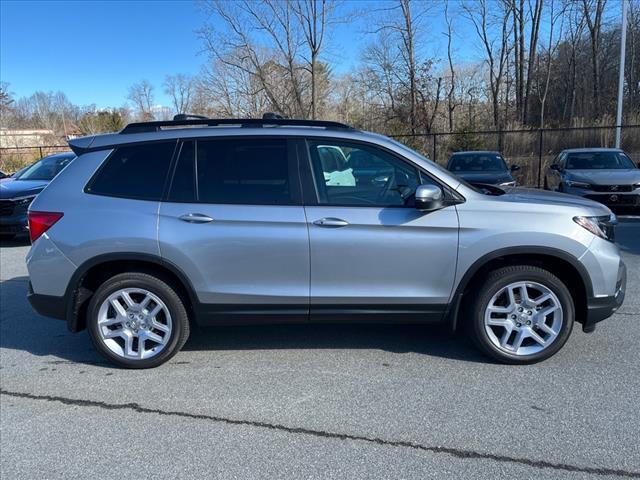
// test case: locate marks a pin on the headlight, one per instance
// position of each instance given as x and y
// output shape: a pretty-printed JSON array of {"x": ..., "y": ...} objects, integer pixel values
[
  {"x": 24, "y": 200},
  {"x": 508, "y": 184},
  {"x": 603, "y": 227},
  {"x": 570, "y": 183}
]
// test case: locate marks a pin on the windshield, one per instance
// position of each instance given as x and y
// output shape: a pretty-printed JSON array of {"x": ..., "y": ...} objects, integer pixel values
[
  {"x": 477, "y": 162},
  {"x": 598, "y": 161},
  {"x": 45, "y": 169}
]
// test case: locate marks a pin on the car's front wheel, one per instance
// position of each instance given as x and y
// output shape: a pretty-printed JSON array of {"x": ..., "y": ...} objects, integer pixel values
[
  {"x": 137, "y": 320},
  {"x": 522, "y": 314}
]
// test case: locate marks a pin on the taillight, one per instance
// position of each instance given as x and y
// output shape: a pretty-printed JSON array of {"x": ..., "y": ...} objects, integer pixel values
[{"x": 40, "y": 222}]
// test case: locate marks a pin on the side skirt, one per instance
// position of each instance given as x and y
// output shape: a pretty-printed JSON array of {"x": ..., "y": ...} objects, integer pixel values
[{"x": 233, "y": 314}]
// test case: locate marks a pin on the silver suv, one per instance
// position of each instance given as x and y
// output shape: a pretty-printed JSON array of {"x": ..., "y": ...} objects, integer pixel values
[{"x": 208, "y": 222}]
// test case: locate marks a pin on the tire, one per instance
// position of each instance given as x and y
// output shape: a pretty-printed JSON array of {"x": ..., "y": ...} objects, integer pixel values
[
  {"x": 546, "y": 184},
  {"x": 510, "y": 322},
  {"x": 160, "y": 336}
]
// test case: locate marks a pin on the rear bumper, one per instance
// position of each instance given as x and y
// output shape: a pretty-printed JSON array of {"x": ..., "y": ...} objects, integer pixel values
[
  {"x": 601, "y": 308},
  {"x": 48, "y": 305}
]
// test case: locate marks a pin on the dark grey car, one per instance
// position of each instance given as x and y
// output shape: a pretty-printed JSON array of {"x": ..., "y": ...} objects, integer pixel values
[
  {"x": 606, "y": 175},
  {"x": 482, "y": 167}
]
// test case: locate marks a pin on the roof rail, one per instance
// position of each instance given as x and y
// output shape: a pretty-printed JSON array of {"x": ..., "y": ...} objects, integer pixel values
[{"x": 191, "y": 121}]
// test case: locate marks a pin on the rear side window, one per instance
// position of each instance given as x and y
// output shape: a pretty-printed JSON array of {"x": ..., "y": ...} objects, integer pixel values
[
  {"x": 137, "y": 171},
  {"x": 251, "y": 171}
]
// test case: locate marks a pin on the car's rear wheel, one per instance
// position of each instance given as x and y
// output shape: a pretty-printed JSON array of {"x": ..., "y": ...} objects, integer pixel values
[
  {"x": 137, "y": 320},
  {"x": 522, "y": 314}
]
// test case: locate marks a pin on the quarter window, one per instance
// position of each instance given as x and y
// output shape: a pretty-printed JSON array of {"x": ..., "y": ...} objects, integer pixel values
[
  {"x": 137, "y": 172},
  {"x": 360, "y": 175}
]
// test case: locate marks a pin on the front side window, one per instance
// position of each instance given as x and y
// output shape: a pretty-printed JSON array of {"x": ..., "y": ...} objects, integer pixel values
[
  {"x": 135, "y": 171},
  {"x": 361, "y": 175}
]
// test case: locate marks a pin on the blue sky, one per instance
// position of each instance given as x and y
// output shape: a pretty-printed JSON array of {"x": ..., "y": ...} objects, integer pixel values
[{"x": 94, "y": 50}]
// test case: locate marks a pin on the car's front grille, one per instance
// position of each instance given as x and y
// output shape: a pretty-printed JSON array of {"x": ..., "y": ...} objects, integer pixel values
[
  {"x": 615, "y": 199},
  {"x": 6, "y": 208},
  {"x": 612, "y": 188}
]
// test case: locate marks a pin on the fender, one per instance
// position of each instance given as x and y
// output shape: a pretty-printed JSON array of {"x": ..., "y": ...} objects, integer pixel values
[
  {"x": 73, "y": 293},
  {"x": 456, "y": 299}
]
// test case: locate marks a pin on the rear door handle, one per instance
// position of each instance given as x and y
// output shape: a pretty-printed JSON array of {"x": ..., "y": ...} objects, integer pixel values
[
  {"x": 195, "y": 218},
  {"x": 331, "y": 222}
]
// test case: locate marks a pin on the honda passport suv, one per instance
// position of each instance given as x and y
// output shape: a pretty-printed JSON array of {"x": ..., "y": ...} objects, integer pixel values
[{"x": 166, "y": 225}]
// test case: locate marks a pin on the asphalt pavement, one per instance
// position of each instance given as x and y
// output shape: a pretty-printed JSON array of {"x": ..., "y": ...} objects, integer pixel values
[{"x": 317, "y": 401}]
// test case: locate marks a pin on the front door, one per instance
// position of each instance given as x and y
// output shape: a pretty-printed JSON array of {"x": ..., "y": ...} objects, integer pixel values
[
  {"x": 234, "y": 224},
  {"x": 373, "y": 255}
]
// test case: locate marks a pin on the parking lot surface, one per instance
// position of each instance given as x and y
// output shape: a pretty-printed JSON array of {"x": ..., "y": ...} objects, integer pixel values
[{"x": 317, "y": 401}]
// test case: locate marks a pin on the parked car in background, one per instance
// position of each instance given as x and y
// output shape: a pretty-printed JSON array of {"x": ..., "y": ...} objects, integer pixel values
[
  {"x": 606, "y": 175},
  {"x": 208, "y": 222},
  {"x": 3, "y": 175},
  {"x": 18, "y": 191},
  {"x": 483, "y": 168}
]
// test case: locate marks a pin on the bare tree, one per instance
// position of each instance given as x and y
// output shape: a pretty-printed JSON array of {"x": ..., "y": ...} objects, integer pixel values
[
  {"x": 315, "y": 17},
  {"x": 593, "y": 10},
  {"x": 555, "y": 14},
  {"x": 180, "y": 88},
  {"x": 141, "y": 95},
  {"x": 496, "y": 46},
  {"x": 451, "y": 103}
]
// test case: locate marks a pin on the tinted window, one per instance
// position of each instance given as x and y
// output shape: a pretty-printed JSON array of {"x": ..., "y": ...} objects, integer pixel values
[
  {"x": 477, "y": 162},
  {"x": 183, "y": 185},
  {"x": 598, "y": 161},
  {"x": 243, "y": 171},
  {"x": 45, "y": 169},
  {"x": 135, "y": 171},
  {"x": 356, "y": 174}
]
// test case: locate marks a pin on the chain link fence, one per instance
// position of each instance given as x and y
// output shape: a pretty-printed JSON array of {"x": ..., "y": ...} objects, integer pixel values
[{"x": 533, "y": 150}]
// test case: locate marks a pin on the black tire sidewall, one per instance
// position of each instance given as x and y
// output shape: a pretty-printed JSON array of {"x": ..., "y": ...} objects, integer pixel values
[
  {"x": 503, "y": 277},
  {"x": 179, "y": 318}
]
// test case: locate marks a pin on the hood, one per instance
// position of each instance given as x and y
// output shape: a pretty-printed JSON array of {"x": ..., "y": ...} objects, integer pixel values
[
  {"x": 605, "y": 177},
  {"x": 492, "y": 178},
  {"x": 21, "y": 188},
  {"x": 544, "y": 197}
]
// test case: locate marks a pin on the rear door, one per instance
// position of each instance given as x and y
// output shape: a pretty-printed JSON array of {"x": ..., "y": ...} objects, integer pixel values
[
  {"x": 373, "y": 255},
  {"x": 233, "y": 222}
]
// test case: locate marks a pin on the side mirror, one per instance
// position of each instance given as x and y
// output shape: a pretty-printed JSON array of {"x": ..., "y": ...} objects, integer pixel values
[
  {"x": 429, "y": 198},
  {"x": 555, "y": 167},
  {"x": 515, "y": 168}
]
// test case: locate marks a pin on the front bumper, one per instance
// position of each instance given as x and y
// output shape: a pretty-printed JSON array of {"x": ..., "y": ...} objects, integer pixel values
[
  {"x": 612, "y": 199},
  {"x": 14, "y": 223},
  {"x": 601, "y": 308}
]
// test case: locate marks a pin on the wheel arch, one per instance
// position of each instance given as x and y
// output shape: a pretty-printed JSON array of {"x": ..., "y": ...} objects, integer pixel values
[
  {"x": 89, "y": 275},
  {"x": 560, "y": 263}
]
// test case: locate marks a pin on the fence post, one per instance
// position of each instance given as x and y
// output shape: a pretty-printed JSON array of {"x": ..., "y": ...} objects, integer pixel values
[
  {"x": 40, "y": 148},
  {"x": 435, "y": 136},
  {"x": 541, "y": 133}
]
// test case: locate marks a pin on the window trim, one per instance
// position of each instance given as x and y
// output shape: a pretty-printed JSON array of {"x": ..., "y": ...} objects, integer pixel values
[
  {"x": 168, "y": 175},
  {"x": 310, "y": 186},
  {"x": 292, "y": 170}
]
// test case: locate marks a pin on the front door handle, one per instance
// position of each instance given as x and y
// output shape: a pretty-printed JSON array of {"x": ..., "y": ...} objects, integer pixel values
[
  {"x": 331, "y": 222},
  {"x": 195, "y": 218}
]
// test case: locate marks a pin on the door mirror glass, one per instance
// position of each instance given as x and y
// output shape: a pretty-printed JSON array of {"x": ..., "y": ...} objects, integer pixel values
[
  {"x": 429, "y": 198},
  {"x": 515, "y": 168}
]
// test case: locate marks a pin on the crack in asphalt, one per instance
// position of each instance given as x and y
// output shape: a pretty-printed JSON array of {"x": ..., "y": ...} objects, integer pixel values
[{"x": 455, "y": 452}]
